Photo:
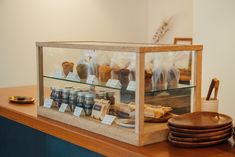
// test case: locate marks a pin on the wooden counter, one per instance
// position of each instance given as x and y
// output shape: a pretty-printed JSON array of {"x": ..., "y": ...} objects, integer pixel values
[{"x": 27, "y": 115}]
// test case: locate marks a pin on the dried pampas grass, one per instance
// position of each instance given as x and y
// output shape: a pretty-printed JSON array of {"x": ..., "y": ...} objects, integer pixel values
[{"x": 161, "y": 31}]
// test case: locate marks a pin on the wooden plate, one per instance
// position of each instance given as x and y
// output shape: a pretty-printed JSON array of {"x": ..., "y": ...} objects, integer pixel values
[
  {"x": 21, "y": 99},
  {"x": 128, "y": 123},
  {"x": 158, "y": 120},
  {"x": 193, "y": 131},
  {"x": 200, "y": 120},
  {"x": 210, "y": 134},
  {"x": 196, "y": 144},
  {"x": 200, "y": 139}
]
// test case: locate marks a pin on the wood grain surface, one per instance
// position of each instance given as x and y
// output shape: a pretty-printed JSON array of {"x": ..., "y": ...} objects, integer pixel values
[{"x": 26, "y": 115}]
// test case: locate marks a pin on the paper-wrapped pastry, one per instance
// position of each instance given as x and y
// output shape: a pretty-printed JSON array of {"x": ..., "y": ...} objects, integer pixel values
[
  {"x": 87, "y": 65},
  {"x": 156, "y": 112},
  {"x": 100, "y": 109},
  {"x": 153, "y": 111},
  {"x": 148, "y": 80},
  {"x": 124, "y": 77},
  {"x": 104, "y": 73},
  {"x": 123, "y": 110},
  {"x": 67, "y": 67},
  {"x": 119, "y": 65}
]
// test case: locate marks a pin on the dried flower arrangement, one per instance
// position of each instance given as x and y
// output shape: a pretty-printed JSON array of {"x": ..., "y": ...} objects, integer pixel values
[{"x": 161, "y": 31}]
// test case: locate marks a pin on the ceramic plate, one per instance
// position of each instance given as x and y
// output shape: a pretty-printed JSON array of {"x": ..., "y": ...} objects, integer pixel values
[
  {"x": 158, "y": 120},
  {"x": 193, "y": 131},
  {"x": 200, "y": 139},
  {"x": 21, "y": 99},
  {"x": 128, "y": 123},
  {"x": 210, "y": 134},
  {"x": 197, "y": 144},
  {"x": 200, "y": 120}
]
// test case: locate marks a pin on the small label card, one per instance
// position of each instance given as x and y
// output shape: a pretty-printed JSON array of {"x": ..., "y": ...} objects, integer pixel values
[
  {"x": 58, "y": 74},
  {"x": 131, "y": 86},
  {"x": 113, "y": 83},
  {"x": 92, "y": 79},
  {"x": 72, "y": 76},
  {"x": 48, "y": 103},
  {"x": 77, "y": 111},
  {"x": 108, "y": 119},
  {"x": 63, "y": 107}
]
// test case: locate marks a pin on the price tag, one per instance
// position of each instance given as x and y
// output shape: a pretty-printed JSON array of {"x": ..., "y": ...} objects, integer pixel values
[
  {"x": 131, "y": 86},
  {"x": 58, "y": 74},
  {"x": 48, "y": 103},
  {"x": 92, "y": 79},
  {"x": 72, "y": 76},
  {"x": 113, "y": 83},
  {"x": 63, "y": 107},
  {"x": 77, "y": 111},
  {"x": 108, "y": 119}
]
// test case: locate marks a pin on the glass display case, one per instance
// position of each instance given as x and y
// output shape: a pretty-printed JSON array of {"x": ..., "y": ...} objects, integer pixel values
[{"x": 125, "y": 91}]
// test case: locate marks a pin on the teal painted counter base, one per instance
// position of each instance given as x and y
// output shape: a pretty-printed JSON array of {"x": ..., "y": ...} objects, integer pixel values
[{"x": 17, "y": 140}]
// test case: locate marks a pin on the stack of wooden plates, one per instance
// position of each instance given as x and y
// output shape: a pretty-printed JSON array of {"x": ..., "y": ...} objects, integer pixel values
[{"x": 199, "y": 129}]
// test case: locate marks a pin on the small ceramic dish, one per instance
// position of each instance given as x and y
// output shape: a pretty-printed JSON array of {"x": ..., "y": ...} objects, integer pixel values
[{"x": 21, "y": 99}]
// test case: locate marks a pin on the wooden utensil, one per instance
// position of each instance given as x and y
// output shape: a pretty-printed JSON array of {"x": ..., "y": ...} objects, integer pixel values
[
  {"x": 212, "y": 85},
  {"x": 216, "y": 89}
]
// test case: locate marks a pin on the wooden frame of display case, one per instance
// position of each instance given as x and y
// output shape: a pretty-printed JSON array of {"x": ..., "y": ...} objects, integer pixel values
[{"x": 142, "y": 134}]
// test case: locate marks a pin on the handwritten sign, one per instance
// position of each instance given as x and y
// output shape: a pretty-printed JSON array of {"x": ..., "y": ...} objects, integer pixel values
[
  {"x": 131, "y": 86},
  {"x": 47, "y": 103},
  {"x": 108, "y": 119},
  {"x": 77, "y": 111},
  {"x": 92, "y": 79},
  {"x": 63, "y": 107},
  {"x": 113, "y": 83},
  {"x": 73, "y": 77}
]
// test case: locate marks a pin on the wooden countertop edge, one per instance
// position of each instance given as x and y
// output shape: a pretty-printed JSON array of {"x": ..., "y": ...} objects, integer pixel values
[{"x": 88, "y": 140}]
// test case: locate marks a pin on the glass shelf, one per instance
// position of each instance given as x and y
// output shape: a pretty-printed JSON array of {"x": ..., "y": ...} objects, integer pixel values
[
  {"x": 82, "y": 81},
  {"x": 103, "y": 84}
]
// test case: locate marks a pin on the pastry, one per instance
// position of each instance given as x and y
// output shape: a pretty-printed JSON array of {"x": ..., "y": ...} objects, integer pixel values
[
  {"x": 67, "y": 67},
  {"x": 148, "y": 80},
  {"x": 82, "y": 71},
  {"x": 104, "y": 73}
]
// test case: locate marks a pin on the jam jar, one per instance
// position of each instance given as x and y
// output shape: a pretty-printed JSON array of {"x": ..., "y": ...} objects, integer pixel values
[
  {"x": 58, "y": 96},
  {"x": 81, "y": 99},
  {"x": 89, "y": 102},
  {"x": 72, "y": 99},
  {"x": 110, "y": 97},
  {"x": 101, "y": 95},
  {"x": 65, "y": 95}
]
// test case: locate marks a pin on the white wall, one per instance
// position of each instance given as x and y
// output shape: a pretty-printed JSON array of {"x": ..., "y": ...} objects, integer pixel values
[
  {"x": 214, "y": 27},
  {"x": 24, "y": 22},
  {"x": 181, "y": 24}
]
